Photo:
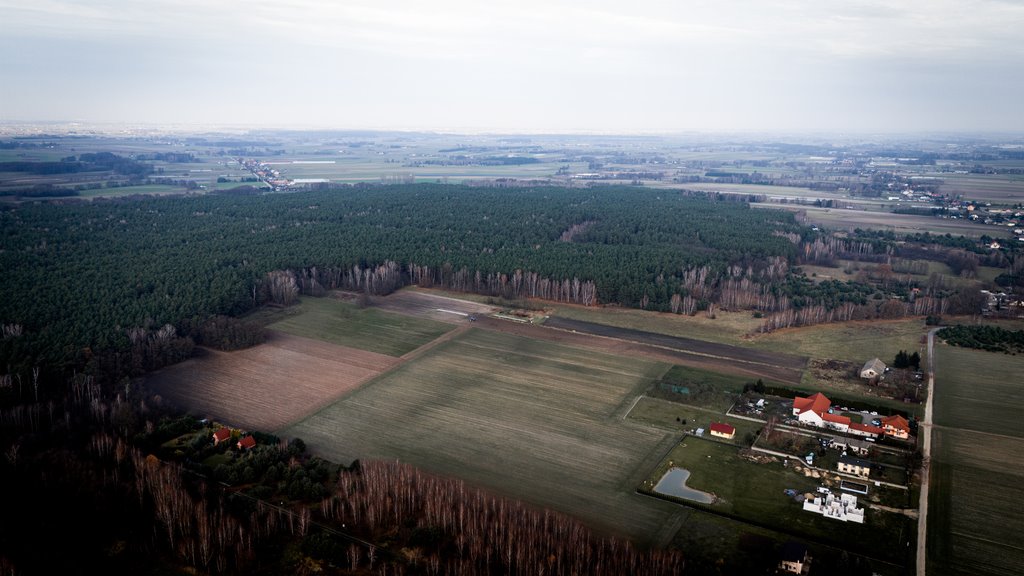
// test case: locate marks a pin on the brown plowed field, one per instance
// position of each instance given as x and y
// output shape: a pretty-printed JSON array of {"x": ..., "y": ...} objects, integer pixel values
[{"x": 271, "y": 385}]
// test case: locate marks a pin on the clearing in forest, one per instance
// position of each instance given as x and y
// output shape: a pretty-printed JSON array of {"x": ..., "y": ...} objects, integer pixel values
[
  {"x": 270, "y": 385},
  {"x": 530, "y": 419}
]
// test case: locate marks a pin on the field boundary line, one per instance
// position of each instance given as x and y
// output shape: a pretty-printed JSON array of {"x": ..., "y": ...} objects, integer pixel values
[
  {"x": 449, "y": 335},
  {"x": 402, "y": 361}
]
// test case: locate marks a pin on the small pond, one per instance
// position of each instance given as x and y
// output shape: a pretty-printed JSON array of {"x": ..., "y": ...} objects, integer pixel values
[{"x": 673, "y": 483}]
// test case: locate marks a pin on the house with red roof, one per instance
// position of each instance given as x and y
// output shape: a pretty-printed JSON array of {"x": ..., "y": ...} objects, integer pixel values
[
  {"x": 896, "y": 426},
  {"x": 723, "y": 430},
  {"x": 221, "y": 435},
  {"x": 813, "y": 410},
  {"x": 866, "y": 430},
  {"x": 247, "y": 443}
]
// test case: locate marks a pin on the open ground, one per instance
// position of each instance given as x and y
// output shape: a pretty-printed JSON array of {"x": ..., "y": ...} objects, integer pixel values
[
  {"x": 270, "y": 385},
  {"x": 531, "y": 419},
  {"x": 976, "y": 475}
]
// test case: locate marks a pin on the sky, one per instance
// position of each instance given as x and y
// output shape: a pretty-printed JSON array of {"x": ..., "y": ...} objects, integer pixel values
[{"x": 549, "y": 66}]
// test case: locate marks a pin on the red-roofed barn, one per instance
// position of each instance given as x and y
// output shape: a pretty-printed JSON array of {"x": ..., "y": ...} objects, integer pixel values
[{"x": 723, "y": 431}]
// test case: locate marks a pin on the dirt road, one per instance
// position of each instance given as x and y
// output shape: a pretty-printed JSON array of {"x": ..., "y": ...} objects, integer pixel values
[{"x": 925, "y": 430}]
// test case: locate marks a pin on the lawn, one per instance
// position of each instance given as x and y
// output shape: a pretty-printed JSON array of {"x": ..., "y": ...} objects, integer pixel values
[
  {"x": 529, "y": 419},
  {"x": 664, "y": 414},
  {"x": 347, "y": 324},
  {"x": 977, "y": 476},
  {"x": 704, "y": 388},
  {"x": 753, "y": 492}
]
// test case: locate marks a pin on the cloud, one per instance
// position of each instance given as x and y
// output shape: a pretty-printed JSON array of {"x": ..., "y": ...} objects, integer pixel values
[{"x": 647, "y": 63}]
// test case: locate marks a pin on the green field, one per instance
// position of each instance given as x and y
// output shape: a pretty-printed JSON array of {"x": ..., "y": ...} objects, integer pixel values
[
  {"x": 663, "y": 413},
  {"x": 349, "y": 325},
  {"x": 839, "y": 219},
  {"x": 528, "y": 419},
  {"x": 977, "y": 475},
  {"x": 754, "y": 492}
]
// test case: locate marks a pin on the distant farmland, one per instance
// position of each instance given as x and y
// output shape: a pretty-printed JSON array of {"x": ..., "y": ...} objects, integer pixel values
[{"x": 530, "y": 419}]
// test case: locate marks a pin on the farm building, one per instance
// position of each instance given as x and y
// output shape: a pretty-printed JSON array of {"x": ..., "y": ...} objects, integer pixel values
[
  {"x": 896, "y": 426},
  {"x": 842, "y": 508},
  {"x": 854, "y": 466},
  {"x": 835, "y": 422},
  {"x": 866, "y": 430},
  {"x": 247, "y": 443},
  {"x": 793, "y": 559},
  {"x": 873, "y": 368},
  {"x": 723, "y": 430},
  {"x": 221, "y": 435}
]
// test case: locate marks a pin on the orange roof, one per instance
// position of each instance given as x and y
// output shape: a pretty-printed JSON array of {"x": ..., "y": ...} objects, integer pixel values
[
  {"x": 722, "y": 428},
  {"x": 867, "y": 428},
  {"x": 817, "y": 403},
  {"x": 247, "y": 442},
  {"x": 222, "y": 434},
  {"x": 835, "y": 418},
  {"x": 896, "y": 421}
]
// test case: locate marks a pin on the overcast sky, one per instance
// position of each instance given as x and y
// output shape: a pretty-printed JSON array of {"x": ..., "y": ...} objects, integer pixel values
[{"x": 523, "y": 65}]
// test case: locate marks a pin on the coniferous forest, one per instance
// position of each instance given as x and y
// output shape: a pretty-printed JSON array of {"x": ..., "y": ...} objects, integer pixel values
[{"x": 84, "y": 274}]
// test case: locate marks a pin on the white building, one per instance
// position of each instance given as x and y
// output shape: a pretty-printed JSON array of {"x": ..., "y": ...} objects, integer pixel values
[{"x": 842, "y": 508}]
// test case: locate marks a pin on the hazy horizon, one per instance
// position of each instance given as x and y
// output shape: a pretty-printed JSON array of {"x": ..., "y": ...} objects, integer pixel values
[{"x": 654, "y": 68}]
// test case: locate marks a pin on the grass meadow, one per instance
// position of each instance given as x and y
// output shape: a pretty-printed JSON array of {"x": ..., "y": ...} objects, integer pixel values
[{"x": 977, "y": 470}]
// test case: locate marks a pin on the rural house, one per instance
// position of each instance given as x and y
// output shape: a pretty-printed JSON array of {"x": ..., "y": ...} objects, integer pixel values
[
  {"x": 247, "y": 443},
  {"x": 221, "y": 435},
  {"x": 814, "y": 410},
  {"x": 852, "y": 444},
  {"x": 811, "y": 408},
  {"x": 866, "y": 430},
  {"x": 793, "y": 559},
  {"x": 854, "y": 466},
  {"x": 896, "y": 426},
  {"x": 873, "y": 368},
  {"x": 723, "y": 431}
]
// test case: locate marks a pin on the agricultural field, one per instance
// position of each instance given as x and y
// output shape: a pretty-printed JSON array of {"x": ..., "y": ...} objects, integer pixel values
[
  {"x": 840, "y": 219},
  {"x": 976, "y": 476},
  {"x": 530, "y": 419},
  {"x": 754, "y": 492},
  {"x": 345, "y": 323},
  {"x": 994, "y": 188},
  {"x": 270, "y": 385},
  {"x": 724, "y": 328}
]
